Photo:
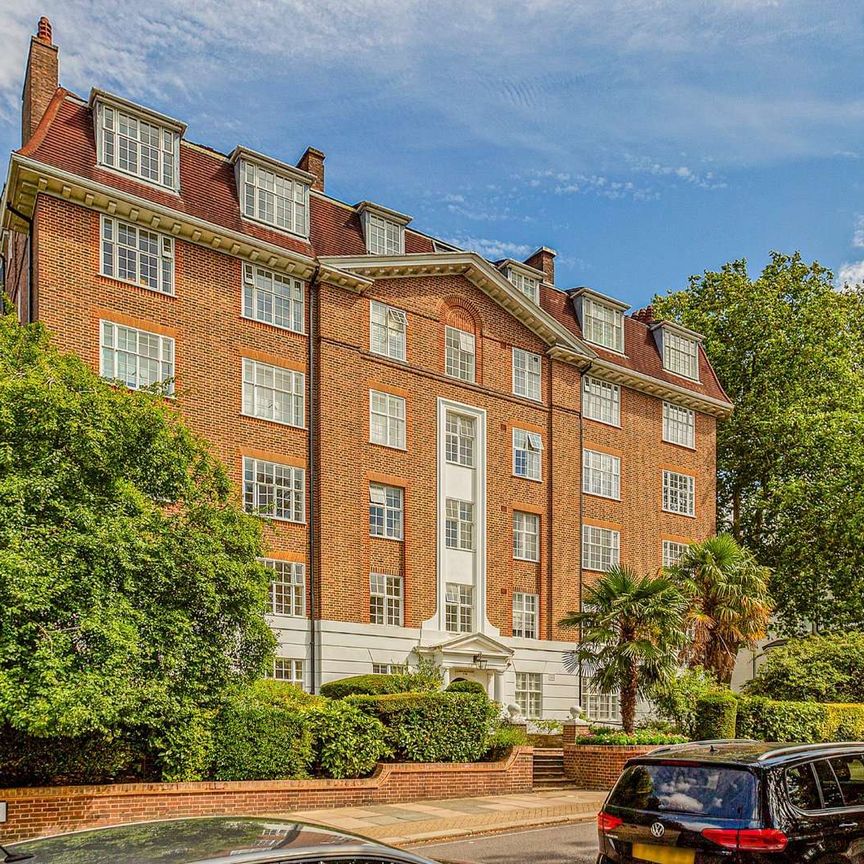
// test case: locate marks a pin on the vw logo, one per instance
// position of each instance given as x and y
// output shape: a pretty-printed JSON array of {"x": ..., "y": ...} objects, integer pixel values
[{"x": 657, "y": 830}]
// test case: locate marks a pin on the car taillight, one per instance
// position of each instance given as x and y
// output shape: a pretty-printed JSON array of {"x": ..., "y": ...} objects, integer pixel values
[
  {"x": 751, "y": 839},
  {"x": 607, "y": 822}
]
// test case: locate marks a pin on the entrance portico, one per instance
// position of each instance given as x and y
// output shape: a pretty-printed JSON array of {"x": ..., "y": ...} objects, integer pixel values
[{"x": 472, "y": 657}]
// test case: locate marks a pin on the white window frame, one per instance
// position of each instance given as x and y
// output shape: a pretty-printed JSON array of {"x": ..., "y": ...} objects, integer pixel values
[
  {"x": 385, "y": 599},
  {"x": 287, "y": 587},
  {"x": 387, "y": 419},
  {"x": 527, "y": 454},
  {"x": 679, "y": 425},
  {"x": 601, "y": 401},
  {"x": 389, "y": 668},
  {"x": 260, "y": 296},
  {"x": 110, "y": 353},
  {"x": 291, "y": 491},
  {"x": 383, "y": 236},
  {"x": 111, "y": 142},
  {"x": 525, "y": 615},
  {"x": 387, "y": 336},
  {"x": 602, "y": 324},
  {"x": 527, "y": 381},
  {"x": 673, "y": 551},
  {"x": 459, "y": 529},
  {"x": 290, "y": 670},
  {"x": 286, "y": 391},
  {"x": 601, "y": 707},
  {"x": 529, "y": 694},
  {"x": 679, "y": 493},
  {"x": 460, "y": 354},
  {"x": 680, "y": 355},
  {"x": 526, "y": 536},
  {"x": 459, "y": 608},
  {"x": 601, "y": 474},
  {"x": 460, "y": 443},
  {"x": 386, "y": 511},
  {"x": 157, "y": 276},
  {"x": 292, "y": 201},
  {"x": 601, "y": 548},
  {"x": 525, "y": 284}
]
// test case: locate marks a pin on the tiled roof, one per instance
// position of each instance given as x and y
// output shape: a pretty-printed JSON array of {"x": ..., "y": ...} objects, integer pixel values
[{"x": 65, "y": 139}]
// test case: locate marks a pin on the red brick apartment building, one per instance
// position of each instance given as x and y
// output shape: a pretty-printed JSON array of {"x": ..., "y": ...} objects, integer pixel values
[{"x": 444, "y": 448}]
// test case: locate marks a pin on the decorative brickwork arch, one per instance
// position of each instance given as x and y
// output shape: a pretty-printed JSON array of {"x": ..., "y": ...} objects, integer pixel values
[{"x": 463, "y": 315}]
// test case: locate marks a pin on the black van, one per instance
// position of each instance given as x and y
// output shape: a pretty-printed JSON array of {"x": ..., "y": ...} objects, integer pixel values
[{"x": 737, "y": 801}]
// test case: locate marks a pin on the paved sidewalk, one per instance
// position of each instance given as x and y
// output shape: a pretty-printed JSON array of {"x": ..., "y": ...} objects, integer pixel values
[{"x": 425, "y": 821}]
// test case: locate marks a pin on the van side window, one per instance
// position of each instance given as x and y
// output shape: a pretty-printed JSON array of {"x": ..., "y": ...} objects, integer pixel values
[
  {"x": 831, "y": 794},
  {"x": 850, "y": 775},
  {"x": 802, "y": 787}
]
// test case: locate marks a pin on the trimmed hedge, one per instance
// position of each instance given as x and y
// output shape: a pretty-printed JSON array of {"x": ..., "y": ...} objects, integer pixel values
[
  {"x": 256, "y": 738},
  {"x": 367, "y": 685},
  {"x": 715, "y": 716},
  {"x": 466, "y": 687},
  {"x": 808, "y": 722},
  {"x": 346, "y": 741},
  {"x": 617, "y": 738},
  {"x": 434, "y": 727}
]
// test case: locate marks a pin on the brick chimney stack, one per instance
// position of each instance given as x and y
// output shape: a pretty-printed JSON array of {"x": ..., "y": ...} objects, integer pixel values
[
  {"x": 41, "y": 79},
  {"x": 544, "y": 259},
  {"x": 313, "y": 162}
]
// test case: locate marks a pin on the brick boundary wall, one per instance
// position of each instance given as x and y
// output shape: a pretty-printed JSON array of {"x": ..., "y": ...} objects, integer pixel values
[
  {"x": 594, "y": 766},
  {"x": 39, "y": 811}
]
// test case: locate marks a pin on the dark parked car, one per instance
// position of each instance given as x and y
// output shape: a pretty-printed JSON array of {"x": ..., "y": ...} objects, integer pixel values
[
  {"x": 737, "y": 801},
  {"x": 222, "y": 840}
]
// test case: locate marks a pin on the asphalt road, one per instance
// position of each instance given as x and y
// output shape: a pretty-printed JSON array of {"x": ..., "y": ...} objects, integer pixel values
[{"x": 563, "y": 844}]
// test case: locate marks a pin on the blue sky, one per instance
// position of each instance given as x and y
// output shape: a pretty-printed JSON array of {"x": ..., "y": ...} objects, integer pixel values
[{"x": 643, "y": 140}]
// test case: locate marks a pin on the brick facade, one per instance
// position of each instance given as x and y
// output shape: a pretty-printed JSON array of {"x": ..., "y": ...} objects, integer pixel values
[
  {"x": 595, "y": 766},
  {"x": 57, "y": 180},
  {"x": 38, "y": 812}
]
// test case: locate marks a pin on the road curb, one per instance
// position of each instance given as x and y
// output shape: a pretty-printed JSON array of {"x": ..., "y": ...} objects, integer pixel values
[{"x": 446, "y": 835}]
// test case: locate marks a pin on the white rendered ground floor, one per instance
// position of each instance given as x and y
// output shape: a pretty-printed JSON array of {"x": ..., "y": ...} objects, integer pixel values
[{"x": 528, "y": 673}]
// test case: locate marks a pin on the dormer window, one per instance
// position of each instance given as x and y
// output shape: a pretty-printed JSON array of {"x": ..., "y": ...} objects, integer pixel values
[
  {"x": 272, "y": 192},
  {"x": 137, "y": 141},
  {"x": 384, "y": 230},
  {"x": 528, "y": 285},
  {"x": 601, "y": 319},
  {"x": 679, "y": 349}
]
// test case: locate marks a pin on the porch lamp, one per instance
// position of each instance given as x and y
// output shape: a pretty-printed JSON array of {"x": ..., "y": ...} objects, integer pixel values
[{"x": 480, "y": 661}]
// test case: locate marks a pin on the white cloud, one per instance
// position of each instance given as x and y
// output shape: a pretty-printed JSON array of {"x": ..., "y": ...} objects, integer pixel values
[
  {"x": 858, "y": 233},
  {"x": 492, "y": 249},
  {"x": 851, "y": 273}
]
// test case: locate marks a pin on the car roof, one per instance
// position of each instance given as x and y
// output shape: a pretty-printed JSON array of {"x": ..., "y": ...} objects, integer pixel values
[
  {"x": 207, "y": 840},
  {"x": 749, "y": 753}
]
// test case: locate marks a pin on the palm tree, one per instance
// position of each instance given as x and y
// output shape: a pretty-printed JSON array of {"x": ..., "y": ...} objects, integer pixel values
[
  {"x": 729, "y": 602},
  {"x": 631, "y": 633}
]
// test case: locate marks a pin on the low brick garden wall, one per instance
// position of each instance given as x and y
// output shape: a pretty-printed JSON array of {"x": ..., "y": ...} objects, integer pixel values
[
  {"x": 35, "y": 812},
  {"x": 595, "y": 766}
]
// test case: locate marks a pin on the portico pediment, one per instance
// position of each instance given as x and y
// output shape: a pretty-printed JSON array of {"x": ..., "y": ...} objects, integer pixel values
[{"x": 471, "y": 650}]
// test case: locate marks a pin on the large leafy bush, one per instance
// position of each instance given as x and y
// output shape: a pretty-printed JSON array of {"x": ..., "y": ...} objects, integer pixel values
[
  {"x": 816, "y": 668},
  {"x": 346, "y": 741},
  {"x": 434, "y": 727},
  {"x": 258, "y": 738},
  {"x": 676, "y": 699}
]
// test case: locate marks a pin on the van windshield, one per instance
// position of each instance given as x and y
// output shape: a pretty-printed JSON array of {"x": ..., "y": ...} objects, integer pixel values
[{"x": 705, "y": 790}]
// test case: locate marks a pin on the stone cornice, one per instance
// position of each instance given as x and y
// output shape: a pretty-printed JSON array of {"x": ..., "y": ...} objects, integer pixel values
[{"x": 29, "y": 178}]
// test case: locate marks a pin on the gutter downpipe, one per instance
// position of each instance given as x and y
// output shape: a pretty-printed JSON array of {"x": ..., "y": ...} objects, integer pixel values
[
  {"x": 30, "y": 262},
  {"x": 582, "y": 376},
  {"x": 312, "y": 472}
]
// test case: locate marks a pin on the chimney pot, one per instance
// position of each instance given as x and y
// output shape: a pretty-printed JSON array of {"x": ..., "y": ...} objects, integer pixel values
[
  {"x": 313, "y": 162},
  {"x": 43, "y": 31}
]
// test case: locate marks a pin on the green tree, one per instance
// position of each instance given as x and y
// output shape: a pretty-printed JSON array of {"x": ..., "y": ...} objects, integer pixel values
[
  {"x": 729, "y": 606},
  {"x": 631, "y": 629},
  {"x": 130, "y": 594},
  {"x": 787, "y": 347}
]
